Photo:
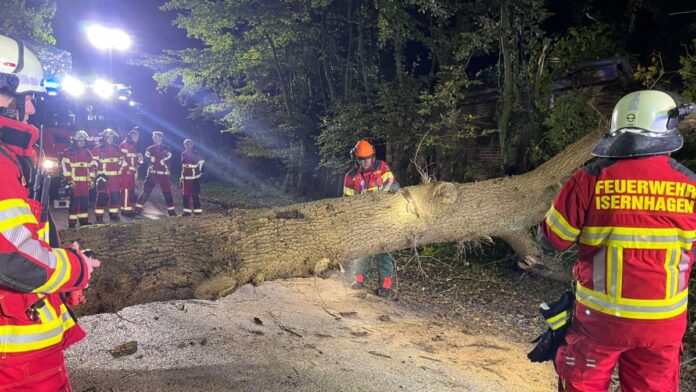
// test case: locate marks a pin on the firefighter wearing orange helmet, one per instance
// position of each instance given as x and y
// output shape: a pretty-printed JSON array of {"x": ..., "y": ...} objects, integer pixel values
[
  {"x": 35, "y": 323},
  {"x": 631, "y": 213},
  {"x": 370, "y": 175}
]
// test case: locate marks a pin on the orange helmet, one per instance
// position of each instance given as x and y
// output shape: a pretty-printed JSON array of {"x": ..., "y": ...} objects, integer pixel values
[{"x": 363, "y": 149}]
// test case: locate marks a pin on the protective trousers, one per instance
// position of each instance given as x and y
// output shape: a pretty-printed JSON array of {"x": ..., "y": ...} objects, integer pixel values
[
  {"x": 385, "y": 268},
  {"x": 79, "y": 204},
  {"x": 128, "y": 194},
  {"x": 108, "y": 196},
  {"x": 587, "y": 365},
  {"x": 165, "y": 185},
  {"x": 42, "y": 373},
  {"x": 190, "y": 195}
]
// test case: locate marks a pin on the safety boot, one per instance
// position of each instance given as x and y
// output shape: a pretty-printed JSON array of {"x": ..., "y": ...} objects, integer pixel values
[{"x": 359, "y": 283}]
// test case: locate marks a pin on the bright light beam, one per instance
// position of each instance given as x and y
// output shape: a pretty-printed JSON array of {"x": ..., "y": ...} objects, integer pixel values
[
  {"x": 106, "y": 38},
  {"x": 73, "y": 86},
  {"x": 103, "y": 88}
]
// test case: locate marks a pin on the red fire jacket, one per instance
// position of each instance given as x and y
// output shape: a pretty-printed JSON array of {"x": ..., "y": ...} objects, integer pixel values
[
  {"x": 77, "y": 164},
  {"x": 191, "y": 165},
  {"x": 130, "y": 153},
  {"x": 32, "y": 274},
  {"x": 357, "y": 181},
  {"x": 159, "y": 157},
  {"x": 634, "y": 222},
  {"x": 108, "y": 159}
]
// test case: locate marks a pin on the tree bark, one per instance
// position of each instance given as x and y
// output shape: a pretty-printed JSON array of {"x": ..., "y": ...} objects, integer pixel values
[{"x": 210, "y": 255}]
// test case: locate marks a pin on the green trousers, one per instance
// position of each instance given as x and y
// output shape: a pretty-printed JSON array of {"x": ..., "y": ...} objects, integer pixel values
[{"x": 385, "y": 266}]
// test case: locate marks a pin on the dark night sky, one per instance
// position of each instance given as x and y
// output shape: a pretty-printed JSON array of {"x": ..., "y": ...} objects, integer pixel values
[{"x": 150, "y": 30}]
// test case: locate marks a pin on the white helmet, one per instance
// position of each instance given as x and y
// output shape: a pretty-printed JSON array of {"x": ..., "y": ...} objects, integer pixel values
[{"x": 16, "y": 59}]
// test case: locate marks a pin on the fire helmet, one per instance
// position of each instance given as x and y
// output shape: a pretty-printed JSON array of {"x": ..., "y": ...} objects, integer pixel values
[
  {"x": 188, "y": 141},
  {"x": 20, "y": 69},
  {"x": 157, "y": 133},
  {"x": 363, "y": 150},
  {"x": 133, "y": 131},
  {"x": 109, "y": 132},
  {"x": 80, "y": 135},
  {"x": 643, "y": 123}
]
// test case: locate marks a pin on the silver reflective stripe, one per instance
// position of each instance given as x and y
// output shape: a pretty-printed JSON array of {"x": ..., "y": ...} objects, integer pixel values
[
  {"x": 636, "y": 237},
  {"x": 632, "y": 308},
  {"x": 32, "y": 338},
  {"x": 14, "y": 212},
  {"x": 672, "y": 272},
  {"x": 684, "y": 262},
  {"x": 614, "y": 261},
  {"x": 22, "y": 239},
  {"x": 599, "y": 270},
  {"x": 557, "y": 225},
  {"x": 61, "y": 274},
  {"x": 46, "y": 314}
]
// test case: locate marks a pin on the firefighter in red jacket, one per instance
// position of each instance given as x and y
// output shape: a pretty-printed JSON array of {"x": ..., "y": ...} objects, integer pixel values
[
  {"x": 191, "y": 173},
  {"x": 370, "y": 175},
  {"x": 130, "y": 173},
  {"x": 158, "y": 155},
  {"x": 78, "y": 172},
  {"x": 110, "y": 163},
  {"x": 35, "y": 324},
  {"x": 632, "y": 215}
]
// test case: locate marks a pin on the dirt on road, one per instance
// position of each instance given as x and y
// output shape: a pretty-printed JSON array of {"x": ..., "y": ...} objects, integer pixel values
[{"x": 308, "y": 334}]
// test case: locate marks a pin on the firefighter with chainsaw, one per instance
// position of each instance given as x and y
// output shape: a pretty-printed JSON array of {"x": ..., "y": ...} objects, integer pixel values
[
  {"x": 631, "y": 212},
  {"x": 191, "y": 177},
  {"x": 110, "y": 163},
  {"x": 78, "y": 175},
  {"x": 36, "y": 325},
  {"x": 130, "y": 173},
  {"x": 370, "y": 175},
  {"x": 158, "y": 155}
]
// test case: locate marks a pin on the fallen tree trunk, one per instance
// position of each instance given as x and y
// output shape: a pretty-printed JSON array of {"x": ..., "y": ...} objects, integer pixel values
[{"x": 210, "y": 255}]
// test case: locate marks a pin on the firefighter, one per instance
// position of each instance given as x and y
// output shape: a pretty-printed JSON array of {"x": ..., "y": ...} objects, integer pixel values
[
  {"x": 191, "y": 173},
  {"x": 78, "y": 173},
  {"x": 631, "y": 213},
  {"x": 110, "y": 163},
  {"x": 134, "y": 160},
  {"x": 35, "y": 324},
  {"x": 158, "y": 155},
  {"x": 370, "y": 175}
]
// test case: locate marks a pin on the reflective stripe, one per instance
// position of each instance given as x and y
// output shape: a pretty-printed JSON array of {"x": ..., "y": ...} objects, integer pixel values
[
  {"x": 348, "y": 191},
  {"x": 113, "y": 210},
  {"x": 647, "y": 309},
  {"x": 81, "y": 164},
  {"x": 599, "y": 270},
  {"x": 192, "y": 177},
  {"x": 559, "y": 225},
  {"x": 160, "y": 172},
  {"x": 189, "y": 165},
  {"x": 72, "y": 217},
  {"x": 22, "y": 338},
  {"x": 638, "y": 238},
  {"x": 108, "y": 173},
  {"x": 78, "y": 179},
  {"x": 138, "y": 205},
  {"x": 187, "y": 210},
  {"x": 558, "y": 320},
  {"x": 171, "y": 208},
  {"x": 99, "y": 211},
  {"x": 671, "y": 260},
  {"x": 387, "y": 176},
  {"x": 684, "y": 262},
  {"x": 59, "y": 276},
  {"x": 13, "y": 213},
  {"x": 198, "y": 211},
  {"x": 372, "y": 189},
  {"x": 23, "y": 240},
  {"x": 614, "y": 271},
  {"x": 83, "y": 215},
  {"x": 109, "y": 160}
]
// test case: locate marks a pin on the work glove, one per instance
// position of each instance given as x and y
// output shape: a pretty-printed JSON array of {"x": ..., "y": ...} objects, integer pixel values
[{"x": 558, "y": 316}]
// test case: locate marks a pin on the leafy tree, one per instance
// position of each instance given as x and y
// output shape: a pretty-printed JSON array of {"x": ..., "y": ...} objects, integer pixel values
[{"x": 28, "y": 19}]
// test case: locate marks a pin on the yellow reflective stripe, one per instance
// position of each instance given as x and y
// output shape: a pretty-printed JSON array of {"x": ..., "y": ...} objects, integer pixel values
[
  {"x": 387, "y": 176},
  {"x": 372, "y": 189},
  {"x": 672, "y": 256},
  {"x": 81, "y": 178},
  {"x": 110, "y": 160},
  {"x": 638, "y": 238},
  {"x": 108, "y": 173},
  {"x": 558, "y": 320},
  {"x": 22, "y": 338},
  {"x": 60, "y": 275},
  {"x": 82, "y": 164},
  {"x": 644, "y": 309},
  {"x": 559, "y": 225},
  {"x": 13, "y": 213},
  {"x": 348, "y": 191}
]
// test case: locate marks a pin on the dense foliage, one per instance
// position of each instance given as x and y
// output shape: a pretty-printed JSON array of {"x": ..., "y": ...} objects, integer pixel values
[
  {"x": 28, "y": 19},
  {"x": 298, "y": 81}
]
